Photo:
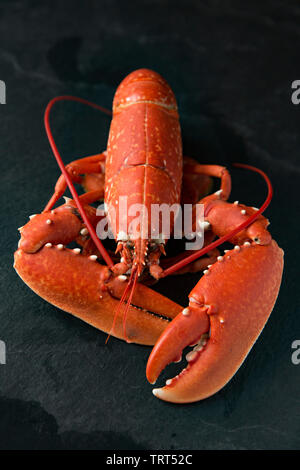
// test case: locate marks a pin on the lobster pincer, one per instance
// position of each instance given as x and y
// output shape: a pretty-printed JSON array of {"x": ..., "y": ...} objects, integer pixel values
[
  {"x": 77, "y": 283},
  {"x": 227, "y": 311}
]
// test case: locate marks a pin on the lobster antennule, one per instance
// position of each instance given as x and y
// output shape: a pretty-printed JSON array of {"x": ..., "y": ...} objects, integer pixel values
[
  {"x": 62, "y": 167},
  {"x": 129, "y": 288},
  {"x": 134, "y": 277},
  {"x": 228, "y": 236},
  {"x": 121, "y": 302},
  {"x": 141, "y": 249}
]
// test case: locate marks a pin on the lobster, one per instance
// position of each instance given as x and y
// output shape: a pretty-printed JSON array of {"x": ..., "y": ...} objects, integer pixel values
[{"x": 234, "y": 297}]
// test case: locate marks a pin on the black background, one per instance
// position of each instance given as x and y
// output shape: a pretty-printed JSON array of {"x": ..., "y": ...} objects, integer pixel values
[{"x": 231, "y": 65}]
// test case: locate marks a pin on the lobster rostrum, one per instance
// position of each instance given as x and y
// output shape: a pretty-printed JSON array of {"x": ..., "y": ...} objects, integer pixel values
[{"x": 234, "y": 297}]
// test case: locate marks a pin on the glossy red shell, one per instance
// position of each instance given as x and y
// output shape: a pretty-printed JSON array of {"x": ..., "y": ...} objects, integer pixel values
[{"x": 144, "y": 151}]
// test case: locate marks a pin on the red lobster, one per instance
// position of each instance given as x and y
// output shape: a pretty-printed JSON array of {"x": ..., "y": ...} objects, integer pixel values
[{"x": 232, "y": 301}]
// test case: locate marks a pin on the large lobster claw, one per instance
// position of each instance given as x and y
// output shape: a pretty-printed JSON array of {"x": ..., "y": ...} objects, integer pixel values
[
  {"x": 227, "y": 311},
  {"x": 80, "y": 285}
]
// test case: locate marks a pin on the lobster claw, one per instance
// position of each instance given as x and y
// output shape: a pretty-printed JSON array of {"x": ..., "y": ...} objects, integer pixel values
[
  {"x": 80, "y": 285},
  {"x": 227, "y": 311}
]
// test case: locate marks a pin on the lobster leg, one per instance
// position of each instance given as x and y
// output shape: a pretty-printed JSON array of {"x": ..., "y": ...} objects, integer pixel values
[
  {"x": 214, "y": 171},
  {"x": 196, "y": 266},
  {"x": 231, "y": 303},
  {"x": 85, "y": 166},
  {"x": 194, "y": 185}
]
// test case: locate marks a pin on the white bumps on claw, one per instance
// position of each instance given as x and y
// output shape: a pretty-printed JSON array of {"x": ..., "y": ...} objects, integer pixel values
[
  {"x": 48, "y": 221},
  {"x": 122, "y": 277},
  {"x": 60, "y": 246},
  {"x": 243, "y": 211},
  {"x": 32, "y": 216},
  {"x": 186, "y": 312},
  {"x": 48, "y": 245},
  {"x": 191, "y": 356},
  {"x": 237, "y": 248},
  {"x": 93, "y": 257},
  {"x": 218, "y": 193},
  {"x": 84, "y": 231},
  {"x": 205, "y": 225},
  {"x": 76, "y": 251},
  {"x": 220, "y": 258}
]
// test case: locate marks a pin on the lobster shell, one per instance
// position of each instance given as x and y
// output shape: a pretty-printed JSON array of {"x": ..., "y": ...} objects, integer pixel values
[{"x": 144, "y": 151}]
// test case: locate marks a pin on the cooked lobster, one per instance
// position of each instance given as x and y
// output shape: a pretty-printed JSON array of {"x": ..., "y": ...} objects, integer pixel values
[{"x": 233, "y": 299}]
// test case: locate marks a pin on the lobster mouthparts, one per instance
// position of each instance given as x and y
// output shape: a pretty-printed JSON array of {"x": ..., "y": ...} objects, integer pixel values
[{"x": 227, "y": 311}]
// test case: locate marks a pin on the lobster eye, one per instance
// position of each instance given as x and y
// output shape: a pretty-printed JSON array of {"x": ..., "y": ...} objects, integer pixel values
[{"x": 257, "y": 240}]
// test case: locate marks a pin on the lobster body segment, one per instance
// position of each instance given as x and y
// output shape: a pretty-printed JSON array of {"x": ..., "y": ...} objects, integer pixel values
[{"x": 144, "y": 155}]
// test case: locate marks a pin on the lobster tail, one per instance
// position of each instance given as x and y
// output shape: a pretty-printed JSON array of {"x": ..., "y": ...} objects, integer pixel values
[{"x": 144, "y": 85}]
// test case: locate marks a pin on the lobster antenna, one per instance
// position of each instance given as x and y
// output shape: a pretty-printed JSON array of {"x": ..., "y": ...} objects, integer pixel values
[
  {"x": 238, "y": 229},
  {"x": 122, "y": 300},
  {"x": 129, "y": 303},
  {"x": 62, "y": 167}
]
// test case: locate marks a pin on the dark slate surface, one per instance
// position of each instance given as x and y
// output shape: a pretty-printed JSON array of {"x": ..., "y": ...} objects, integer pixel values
[{"x": 231, "y": 66}]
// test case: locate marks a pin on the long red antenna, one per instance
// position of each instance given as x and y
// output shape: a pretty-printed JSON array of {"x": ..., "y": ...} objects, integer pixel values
[
  {"x": 203, "y": 251},
  {"x": 121, "y": 303},
  {"x": 62, "y": 167}
]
